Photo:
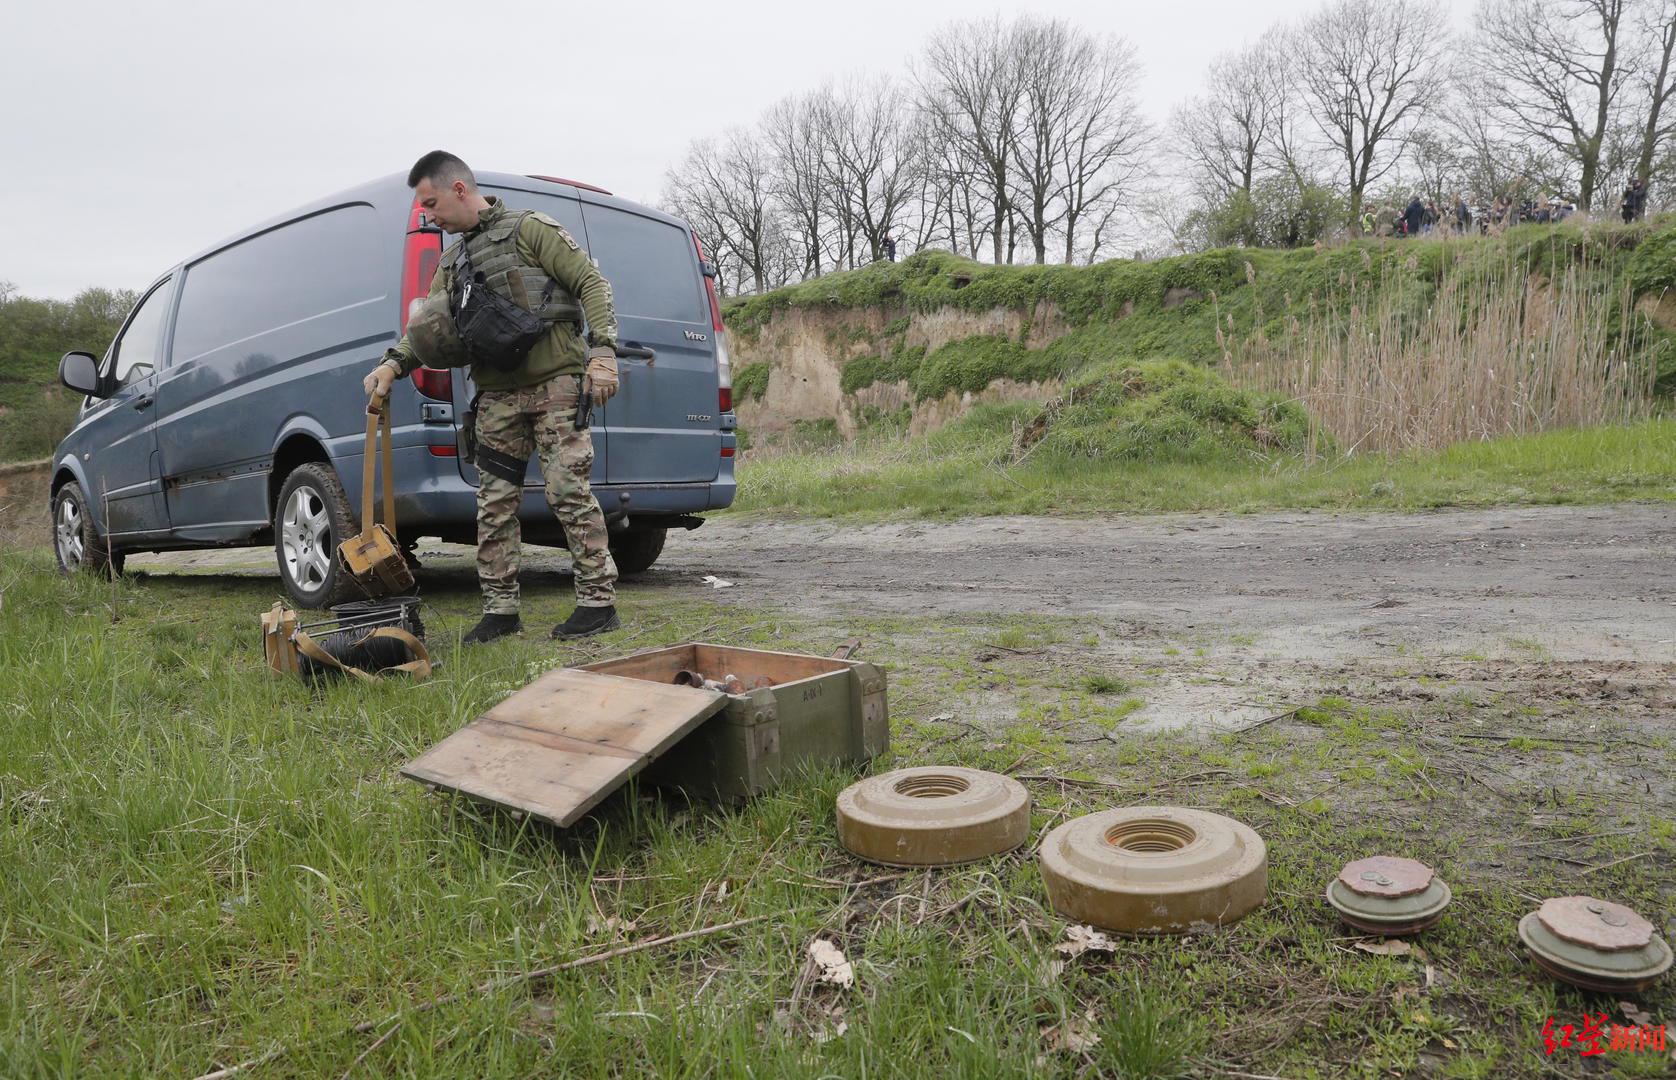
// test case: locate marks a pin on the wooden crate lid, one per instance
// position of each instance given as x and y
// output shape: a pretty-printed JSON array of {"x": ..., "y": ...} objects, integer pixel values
[{"x": 560, "y": 745}]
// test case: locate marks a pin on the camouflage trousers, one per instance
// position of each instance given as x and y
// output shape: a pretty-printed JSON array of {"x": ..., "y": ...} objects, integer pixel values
[{"x": 540, "y": 419}]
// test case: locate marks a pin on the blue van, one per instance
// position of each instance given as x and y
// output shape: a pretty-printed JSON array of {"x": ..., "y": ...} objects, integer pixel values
[{"x": 229, "y": 410}]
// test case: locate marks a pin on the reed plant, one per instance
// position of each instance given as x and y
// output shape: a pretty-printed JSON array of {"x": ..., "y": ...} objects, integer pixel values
[{"x": 1499, "y": 347}]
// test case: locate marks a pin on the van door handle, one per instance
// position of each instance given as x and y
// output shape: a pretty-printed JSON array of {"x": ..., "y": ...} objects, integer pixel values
[{"x": 143, "y": 401}]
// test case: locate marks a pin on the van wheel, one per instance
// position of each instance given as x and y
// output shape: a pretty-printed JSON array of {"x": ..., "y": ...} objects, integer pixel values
[
  {"x": 75, "y": 539},
  {"x": 635, "y": 550},
  {"x": 311, "y": 519}
]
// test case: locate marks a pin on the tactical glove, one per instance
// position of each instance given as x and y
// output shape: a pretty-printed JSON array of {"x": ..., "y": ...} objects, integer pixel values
[
  {"x": 602, "y": 373},
  {"x": 379, "y": 380}
]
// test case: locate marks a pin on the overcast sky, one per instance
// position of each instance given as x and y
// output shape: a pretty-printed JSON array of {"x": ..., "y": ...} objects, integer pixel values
[{"x": 135, "y": 134}]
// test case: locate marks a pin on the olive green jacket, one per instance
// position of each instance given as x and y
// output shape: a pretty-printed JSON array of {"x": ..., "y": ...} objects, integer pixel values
[{"x": 545, "y": 243}]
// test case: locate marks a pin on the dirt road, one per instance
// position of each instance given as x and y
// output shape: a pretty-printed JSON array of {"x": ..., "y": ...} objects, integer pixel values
[
  {"x": 1531, "y": 601},
  {"x": 1585, "y": 583}
]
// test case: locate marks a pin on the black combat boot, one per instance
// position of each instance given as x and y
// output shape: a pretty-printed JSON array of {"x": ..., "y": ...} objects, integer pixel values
[
  {"x": 491, "y": 627},
  {"x": 588, "y": 621}
]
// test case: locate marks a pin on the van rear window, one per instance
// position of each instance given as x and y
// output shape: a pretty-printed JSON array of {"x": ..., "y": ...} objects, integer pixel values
[
  {"x": 565, "y": 211},
  {"x": 321, "y": 265},
  {"x": 651, "y": 265}
]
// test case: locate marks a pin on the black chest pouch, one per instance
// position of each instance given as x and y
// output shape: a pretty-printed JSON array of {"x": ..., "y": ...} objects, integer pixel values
[{"x": 494, "y": 330}]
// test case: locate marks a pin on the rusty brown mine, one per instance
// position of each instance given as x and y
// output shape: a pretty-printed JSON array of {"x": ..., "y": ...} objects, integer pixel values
[
  {"x": 933, "y": 816},
  {"x": 1595, "y": 944},
  {"x": 1154, "y": 869},
  {"x": 1388, "y": 895}
]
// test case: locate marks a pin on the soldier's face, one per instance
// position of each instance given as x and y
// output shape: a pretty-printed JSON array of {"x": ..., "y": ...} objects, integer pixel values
[{"x": 446, "y": 206}]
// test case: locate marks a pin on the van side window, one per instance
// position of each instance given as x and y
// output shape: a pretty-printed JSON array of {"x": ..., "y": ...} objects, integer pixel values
[
  {"x": 566, "y": 211},
  {"x": 136, "y": 349},
  {"x": 651, "y": 265},
  {"x": 235, "y": 303}
]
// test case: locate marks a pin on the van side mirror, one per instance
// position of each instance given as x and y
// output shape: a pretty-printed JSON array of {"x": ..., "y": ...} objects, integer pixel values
[{"x": 80, "y": 372}]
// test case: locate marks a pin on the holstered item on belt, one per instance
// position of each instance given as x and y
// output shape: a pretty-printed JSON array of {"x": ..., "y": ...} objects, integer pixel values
[
  {"x": 468, "y": 431},
  {"x": 584, "y": 403},
  {"x": 372, "y": 555}
]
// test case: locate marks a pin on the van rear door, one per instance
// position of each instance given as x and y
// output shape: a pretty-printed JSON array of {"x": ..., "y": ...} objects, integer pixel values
[
  {"x": 664, "y": 425},
  {"x": 564, "y": 210}
]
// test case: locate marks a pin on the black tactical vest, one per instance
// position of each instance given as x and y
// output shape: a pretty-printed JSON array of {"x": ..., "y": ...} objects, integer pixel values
[{"x": 502, "y": 305}]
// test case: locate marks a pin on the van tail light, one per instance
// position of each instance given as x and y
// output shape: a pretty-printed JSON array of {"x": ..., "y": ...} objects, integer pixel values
[
  {"x": 724, "y": 366},
  {"x": 444, "y": 450},
  {"x": 420, "y": 256},
  {"x": 709, "y": 273},
  {"x": 435, "y": 383},
  {"x": 727, "y": 451}
]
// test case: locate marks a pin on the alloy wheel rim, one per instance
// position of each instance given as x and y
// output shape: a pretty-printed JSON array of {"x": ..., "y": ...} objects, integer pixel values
[
  {"x": 306, "y": 539},
  {"x": 68, "y": 533}
]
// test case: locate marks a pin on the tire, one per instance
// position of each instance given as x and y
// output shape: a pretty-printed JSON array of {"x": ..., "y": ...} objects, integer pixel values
[
  {"x": 635, "y": 550},
  {"x": 311, "y": 518},
  {"x": 75, "y": 540}
]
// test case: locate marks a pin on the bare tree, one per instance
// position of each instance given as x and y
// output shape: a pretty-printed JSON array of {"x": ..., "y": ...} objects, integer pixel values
[
  {"x": 1558, "y": 68},
  {"x": 1105, "y": 142},
  {"x": 724, "y": 190},
  {"x": 1080, "y": 135},
  {"x": 1227, "y": 131},
  {"x": 970, "y": 86},
  {"x": 1436, "y": 164},
  {"x": 791, "y": 129},
  {"x": 953, "y": 181},
  {"x": 873, "y": 160},
  {"x": 1657, "y": 31},
  {"x": 1369, "y": 71},
  {"x": 1042, "y": 54}
]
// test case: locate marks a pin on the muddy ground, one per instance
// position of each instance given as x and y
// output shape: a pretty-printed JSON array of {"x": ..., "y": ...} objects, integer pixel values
[{"x": 1233, "y": 618}]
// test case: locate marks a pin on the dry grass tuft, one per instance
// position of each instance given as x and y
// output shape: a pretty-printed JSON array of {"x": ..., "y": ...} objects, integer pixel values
[{"x": 1498, "y": 350}]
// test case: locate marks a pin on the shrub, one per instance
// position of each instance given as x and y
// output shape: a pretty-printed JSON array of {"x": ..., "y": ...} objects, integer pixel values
[
  {"x": 751, "y": 381},
  {"x": 1169, "y": 411}
]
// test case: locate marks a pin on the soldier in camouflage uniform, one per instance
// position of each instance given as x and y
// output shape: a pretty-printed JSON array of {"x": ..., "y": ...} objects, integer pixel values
[{"x": 532, "y": 407}]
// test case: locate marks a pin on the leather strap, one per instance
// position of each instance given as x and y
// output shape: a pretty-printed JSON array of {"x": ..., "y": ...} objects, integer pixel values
[
  {"x": 501, "y": 465},
  {"x": 419, "y": 667},
  {"x": 378, "y": 417}
]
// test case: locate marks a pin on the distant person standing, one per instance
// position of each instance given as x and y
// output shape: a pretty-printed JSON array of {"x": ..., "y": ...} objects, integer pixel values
[
  {"x": 1414, "y": 216},
  {"x": 1635, "y": 200},
  {"x": 1463, "y": 215},
  {"x": 890, "y": 247}
]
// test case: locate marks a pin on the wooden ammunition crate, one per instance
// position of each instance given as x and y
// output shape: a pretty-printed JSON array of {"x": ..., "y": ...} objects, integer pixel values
[{"x": 817, "y": 710}]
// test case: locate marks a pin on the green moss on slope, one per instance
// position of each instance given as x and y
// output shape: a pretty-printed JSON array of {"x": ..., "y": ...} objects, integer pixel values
[
  {"x": 1169, "y": 411},
  {"x": 1123, "y": 310}
]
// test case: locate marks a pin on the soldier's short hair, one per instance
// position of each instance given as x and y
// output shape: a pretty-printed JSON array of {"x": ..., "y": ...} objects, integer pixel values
[{"x": 441, "y": 168}]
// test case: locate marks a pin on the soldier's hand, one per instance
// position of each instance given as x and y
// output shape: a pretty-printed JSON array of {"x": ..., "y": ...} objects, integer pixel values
[
  {"x": 379, "y": 380},
  {"x": 602, "y": 373}
]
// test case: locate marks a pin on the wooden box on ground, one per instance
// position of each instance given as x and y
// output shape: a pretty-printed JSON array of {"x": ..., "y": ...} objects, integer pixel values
[
  {"x": 560, "y": 745},
  {"x": 818, "y": 710}
]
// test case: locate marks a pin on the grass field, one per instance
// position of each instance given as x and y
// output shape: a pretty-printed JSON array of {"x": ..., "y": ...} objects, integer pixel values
[
  {"x": 967, "y": 468},
  {"x": 200, "y": 864}
]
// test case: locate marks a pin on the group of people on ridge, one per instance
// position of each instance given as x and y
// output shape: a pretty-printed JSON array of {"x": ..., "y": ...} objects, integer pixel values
[{"x": 1421, "y": 217}]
